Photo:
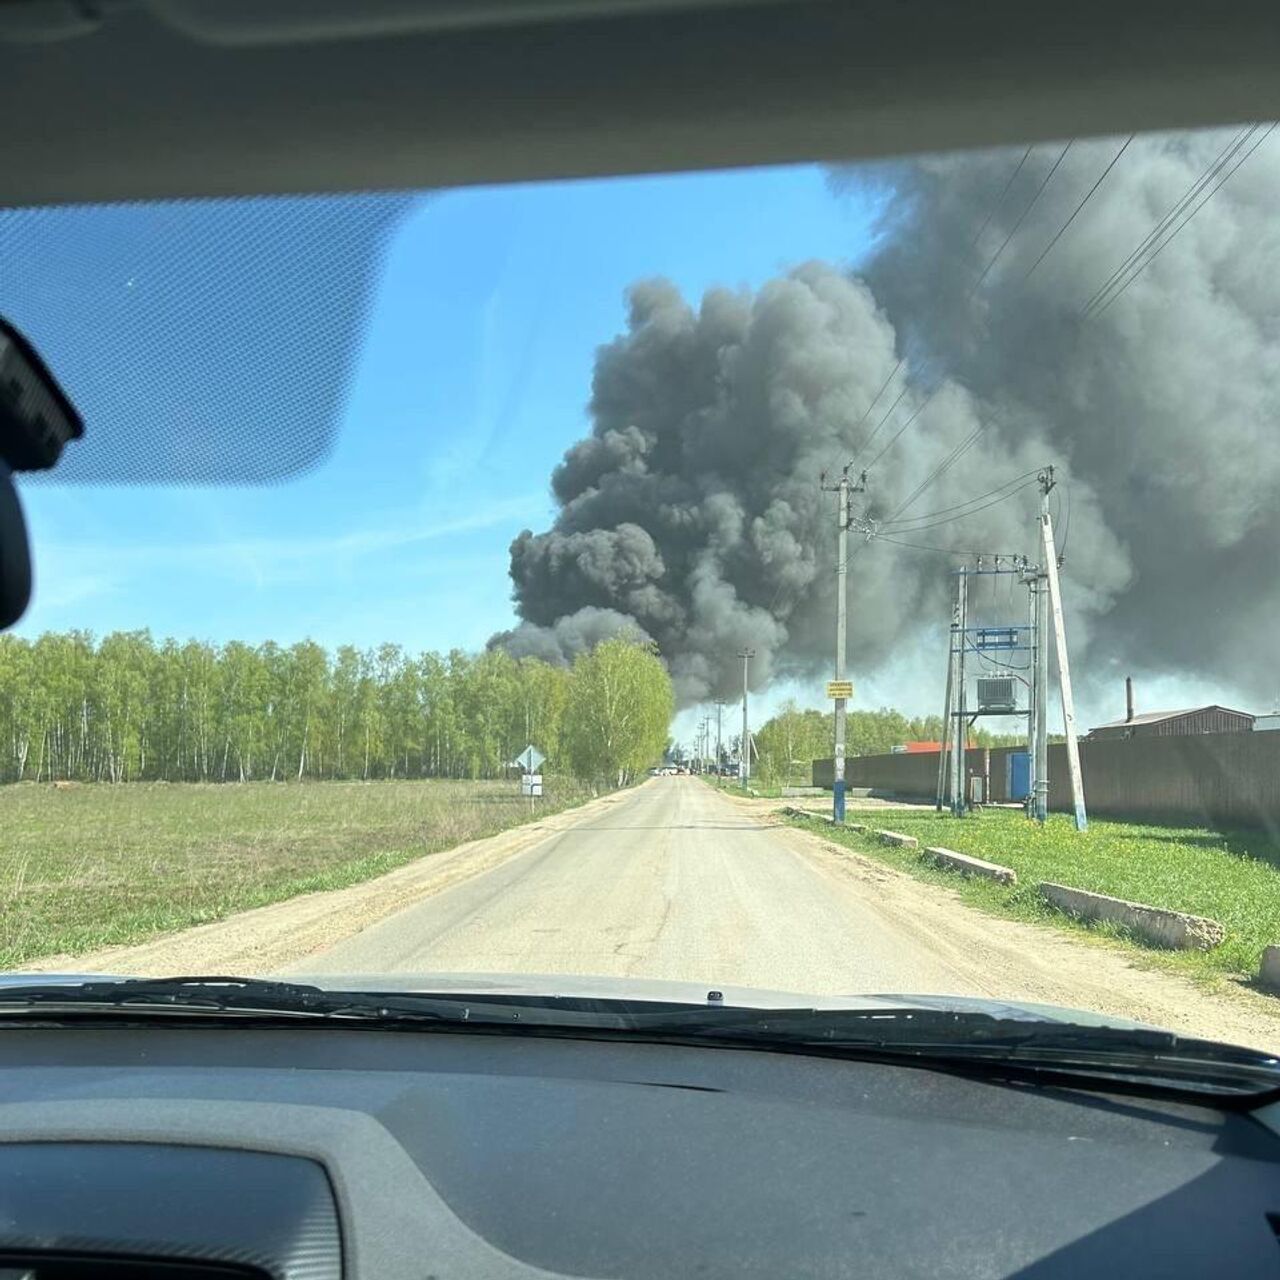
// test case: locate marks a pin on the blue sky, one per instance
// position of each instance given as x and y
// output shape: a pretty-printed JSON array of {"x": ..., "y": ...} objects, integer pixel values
[{"x": 471, "y": 380}]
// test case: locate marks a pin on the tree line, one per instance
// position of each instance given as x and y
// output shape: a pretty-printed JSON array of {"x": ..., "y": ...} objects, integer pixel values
[
  {"x": 791, "y": 740},
  {"x": 126, "y": 708}
]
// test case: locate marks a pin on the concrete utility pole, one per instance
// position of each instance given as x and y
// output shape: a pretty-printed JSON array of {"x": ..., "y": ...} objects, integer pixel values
[
  {"x": 744, "y": 753},
  {"x": 719, "y": 756},
  {"x": 959, "y": 759},
  {"x": 1053, "y": 608},
  {"x": 1033, "y": 734},
  {"x": 945, "y": 745},
  {"x": 842, "y": 488},
  {"x": 1041, "y": 700}
]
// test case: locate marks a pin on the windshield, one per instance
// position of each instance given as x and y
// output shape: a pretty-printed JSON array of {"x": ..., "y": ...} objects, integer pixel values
[{"x": 835, "y": 580}]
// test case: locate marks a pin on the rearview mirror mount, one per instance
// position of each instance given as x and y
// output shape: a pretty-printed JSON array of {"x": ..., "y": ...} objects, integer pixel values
[{"x": 36, "y": 421}]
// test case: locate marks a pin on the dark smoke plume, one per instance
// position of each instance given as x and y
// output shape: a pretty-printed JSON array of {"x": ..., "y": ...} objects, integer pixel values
[{"x": 693, "y": 510}]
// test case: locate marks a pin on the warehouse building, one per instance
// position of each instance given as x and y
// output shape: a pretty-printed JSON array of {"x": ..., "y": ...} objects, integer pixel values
[{"x": 1160, "y": 724}]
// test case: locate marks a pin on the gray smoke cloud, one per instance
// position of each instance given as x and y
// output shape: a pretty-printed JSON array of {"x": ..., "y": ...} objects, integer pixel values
[{"x": 693, "y": 512}]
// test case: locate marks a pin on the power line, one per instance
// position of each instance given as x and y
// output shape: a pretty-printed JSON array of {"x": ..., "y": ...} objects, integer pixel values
[
  {"x": 942, "y": 511},
  {"x": 944, "y": 551},
  {"x": 984, "y": 656},
  {"x": 947, "y": 462},
  {"x": 1087, "y": 197},
  {"x": 937, "y": 524},
  {"x": 986, "y": 222},
  {"x": 866, "y": 412},
  {"x": 956, "y": 453},
  {"x": 1212, "y": 169},
  {"x": 991, "y": 213},
  {"x": 888, "y": 414},
  {"x": 1172, "y": 212},
  {"x": 1173, "y": 234},
  {"x": 897, "y": 435},
  {"x": 1022, "y": 217}
]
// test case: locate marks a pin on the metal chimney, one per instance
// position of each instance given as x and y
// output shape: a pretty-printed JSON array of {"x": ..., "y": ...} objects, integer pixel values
[{"x": 1128, "y": 699}]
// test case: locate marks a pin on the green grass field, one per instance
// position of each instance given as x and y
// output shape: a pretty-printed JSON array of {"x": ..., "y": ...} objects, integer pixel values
[
  {"x": 96, "y": 865},
  {"x": 1231, "y": 877}
]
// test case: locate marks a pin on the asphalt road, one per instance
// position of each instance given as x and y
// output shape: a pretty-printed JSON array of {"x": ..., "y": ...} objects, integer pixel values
[{"x": 676, "y": 883}]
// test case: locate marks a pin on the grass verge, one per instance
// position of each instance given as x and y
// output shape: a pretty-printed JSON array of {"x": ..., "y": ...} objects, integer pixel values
[
  {"x": 733, "y": 787},
  {"x": 1233, "y": 877},
  {"x": 99, "y": 865}
]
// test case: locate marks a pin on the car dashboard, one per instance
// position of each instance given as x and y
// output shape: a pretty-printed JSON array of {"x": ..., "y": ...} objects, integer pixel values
[{"x": 317, "y": 1153}]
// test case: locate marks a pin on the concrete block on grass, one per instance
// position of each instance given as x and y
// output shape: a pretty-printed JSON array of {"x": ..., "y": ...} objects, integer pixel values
[
  {"x": 792, "y": 812},
  {"x": 969, "y": 866},
  {"x": 1156, "y": 925},
  {"x": 1269, "y": 974},
  {"x": 897, "y": 838}
]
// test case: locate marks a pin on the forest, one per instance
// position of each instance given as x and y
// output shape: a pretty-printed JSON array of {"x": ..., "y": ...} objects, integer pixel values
[{"x": 128, "y": 708}]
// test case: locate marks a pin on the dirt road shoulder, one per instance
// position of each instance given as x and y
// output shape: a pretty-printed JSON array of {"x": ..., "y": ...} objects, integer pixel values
[
  {"x": 1011, "y": 959},
  {"x": 267, "y": 938}
]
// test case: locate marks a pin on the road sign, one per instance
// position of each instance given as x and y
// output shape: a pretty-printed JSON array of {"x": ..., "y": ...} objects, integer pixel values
[
  {"x": 529, "y": 759},
  {"x": 531, "y": 784},
  {"x": 839, "y": 688}
]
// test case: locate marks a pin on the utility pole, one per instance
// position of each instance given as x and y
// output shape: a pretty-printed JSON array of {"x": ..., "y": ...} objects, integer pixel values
[
  {"x": 1041, "y": 808},
  {"x": 1054, "y": 609},
  {"x": 744, "y": 753},
  {"x": 945, "y": 745},
  {"x": 1033, "y": 734},
  {"x": 1042, "y": 666},
  {"x": 719, "y": 757},
  {"x": 842, "y": 488},
  {"x": 959, "y": 758}
]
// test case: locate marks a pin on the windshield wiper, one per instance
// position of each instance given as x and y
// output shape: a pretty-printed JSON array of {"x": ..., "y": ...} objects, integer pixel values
[
  {"x": 989, "y": 1042},
  {"x": 236, "y": 997},
  {"x": 981, "y": 1043},
  {"x": 198, "y": 995}
]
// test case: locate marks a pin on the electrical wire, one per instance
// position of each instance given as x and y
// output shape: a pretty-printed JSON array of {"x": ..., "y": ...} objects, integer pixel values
[
  {"x": 942, "y": 551},
  {"x": 1087, "y": 197},
  {"x": 960, "y": 449},
  {"x": 1212, "y": 169},
  {"x": 1019, "y": 481},
  {"x": 937, "y": 524},
  {"x": 897, "y": 435},
  {"x": 893, "y": 373},
  {"x": 1053, "y": 168},
  {"x": 991, "y": 213},
  {"x": 876, "y": 431},
  {"x": 1113, "y": 286},
  {"x": 986, "y": 222},
  {"x": 1206, "y": 176},
  {"x": 1173, "y": 234},
  {"x": 996, "y": 662}
]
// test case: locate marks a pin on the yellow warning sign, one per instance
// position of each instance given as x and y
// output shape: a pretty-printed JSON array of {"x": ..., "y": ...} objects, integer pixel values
[{"x": 839, "y": 688}]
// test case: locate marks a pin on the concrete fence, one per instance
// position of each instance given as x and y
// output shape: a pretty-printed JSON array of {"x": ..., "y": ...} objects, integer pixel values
[{"x": 1210, "y": 779}]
